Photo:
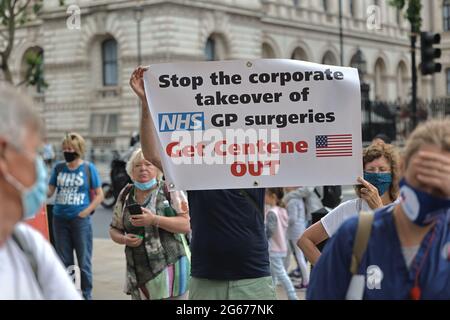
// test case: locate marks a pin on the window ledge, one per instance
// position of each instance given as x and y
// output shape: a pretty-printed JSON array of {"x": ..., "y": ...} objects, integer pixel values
[
  {"x": 39, "y": 97},
  {"x": 108, "y": 92}
]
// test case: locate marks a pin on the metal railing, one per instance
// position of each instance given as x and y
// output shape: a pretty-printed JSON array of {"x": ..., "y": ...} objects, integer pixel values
[{"x": 395, "y": 119}]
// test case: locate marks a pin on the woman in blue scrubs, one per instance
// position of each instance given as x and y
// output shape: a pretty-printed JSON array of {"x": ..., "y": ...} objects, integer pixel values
[{"x": 407, "y": 256}]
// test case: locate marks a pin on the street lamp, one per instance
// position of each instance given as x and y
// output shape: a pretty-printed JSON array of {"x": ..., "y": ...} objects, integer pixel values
[
  {"x": 138, "y": 10},
  {"x": 360, "y": 63},
  {"x": 341, "y": 34}
]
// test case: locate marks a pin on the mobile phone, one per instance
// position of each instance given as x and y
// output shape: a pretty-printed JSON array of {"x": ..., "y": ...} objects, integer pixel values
[{"x": 134, "y": 209}]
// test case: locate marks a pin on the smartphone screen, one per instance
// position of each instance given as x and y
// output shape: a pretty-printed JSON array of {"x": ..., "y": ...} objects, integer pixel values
[{"x": 134, "y": 209}]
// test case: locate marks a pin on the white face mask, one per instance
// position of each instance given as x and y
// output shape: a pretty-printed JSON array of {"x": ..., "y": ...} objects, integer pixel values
[{"x": 421, "y": 207}]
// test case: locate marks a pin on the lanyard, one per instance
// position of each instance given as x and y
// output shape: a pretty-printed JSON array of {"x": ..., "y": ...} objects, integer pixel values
[{"x": 416, "y": 293}]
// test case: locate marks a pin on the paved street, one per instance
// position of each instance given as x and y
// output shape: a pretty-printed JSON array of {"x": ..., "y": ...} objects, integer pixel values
[
  {"x": 109, "y": 272},
  {"x": 109, "y": 263}
]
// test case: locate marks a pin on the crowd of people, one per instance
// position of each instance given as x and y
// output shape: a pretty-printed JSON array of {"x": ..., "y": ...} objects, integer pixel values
[{"x": 390, "y": 242}]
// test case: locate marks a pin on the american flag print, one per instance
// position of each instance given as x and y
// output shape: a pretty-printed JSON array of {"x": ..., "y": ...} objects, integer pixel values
[{"x": 334, "y": 145}]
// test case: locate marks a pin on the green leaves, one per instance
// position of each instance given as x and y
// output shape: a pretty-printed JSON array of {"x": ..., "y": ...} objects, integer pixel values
[
  {"x": 35, "y": 71},
  {"x": 412, "y": 12},
  {"x": 413, "y": 15},
  {"x": 37, "y": 6},
  {"x": 14, "y": 14},
  {"x": 399, "y": 4}
]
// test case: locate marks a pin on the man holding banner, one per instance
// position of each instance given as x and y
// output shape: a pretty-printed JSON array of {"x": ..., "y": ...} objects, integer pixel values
[
  {"x": 226, "y": 135},
  {"x": 229, "y": 249}
]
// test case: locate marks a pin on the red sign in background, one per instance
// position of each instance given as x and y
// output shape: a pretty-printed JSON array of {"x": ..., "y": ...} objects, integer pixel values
[{"x": 40, "y": 223}]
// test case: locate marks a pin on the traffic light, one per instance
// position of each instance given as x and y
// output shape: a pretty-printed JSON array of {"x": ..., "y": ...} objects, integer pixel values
[{"x": 428, "y": 53}]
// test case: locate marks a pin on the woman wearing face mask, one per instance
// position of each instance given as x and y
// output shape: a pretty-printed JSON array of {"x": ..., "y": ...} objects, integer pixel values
[
  {"x": 407, "y": 255},
  {"x": 78, "y": 193},
  {"x": 29, "y": 268},
  {"x": 378, "y": 188},
  {"x": 157, "y": 254}
]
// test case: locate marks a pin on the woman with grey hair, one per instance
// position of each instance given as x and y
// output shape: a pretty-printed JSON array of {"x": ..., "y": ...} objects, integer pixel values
[
  {"x": 29, "y": 267},
  {"x": 157, "y": 255}
]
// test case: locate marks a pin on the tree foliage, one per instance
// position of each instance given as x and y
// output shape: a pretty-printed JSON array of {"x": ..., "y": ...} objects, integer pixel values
[
  {"x": 412, "y": 12},
  {"x": 13, "y": 15}
]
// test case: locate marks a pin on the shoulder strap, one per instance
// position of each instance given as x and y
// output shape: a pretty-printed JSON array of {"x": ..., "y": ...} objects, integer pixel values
[
  {"x": 124, "y": 193},
  {"x": 362, "y": 239},
  {"x": 166, "y": 191},
  {"x": 87, "y": 170},
  {"x": 317, "y": 193},
  {"x": 59, "y": 168},
  {"x": 23, "y": 246},
  {"x": 244, "y": 193}
]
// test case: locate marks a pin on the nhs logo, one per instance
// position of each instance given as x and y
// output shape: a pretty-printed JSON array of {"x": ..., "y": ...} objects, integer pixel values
[{"x": 181, "y": 121}]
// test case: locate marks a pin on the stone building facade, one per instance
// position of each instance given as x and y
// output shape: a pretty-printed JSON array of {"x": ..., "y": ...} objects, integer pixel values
[{"x": 88, "y": 68}]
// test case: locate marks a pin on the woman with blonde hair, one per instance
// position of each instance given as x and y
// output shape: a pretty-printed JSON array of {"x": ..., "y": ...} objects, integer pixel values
[
  {"x": 78, "y": 192},
  {"x": 157, "y": 255}
]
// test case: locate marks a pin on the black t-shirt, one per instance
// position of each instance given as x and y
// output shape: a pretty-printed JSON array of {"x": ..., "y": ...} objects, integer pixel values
[{"x": 228, "y": 238}]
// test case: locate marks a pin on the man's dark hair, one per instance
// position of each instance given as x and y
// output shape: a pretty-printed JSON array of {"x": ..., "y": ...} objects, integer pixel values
[{"x": 383, "y": 137}]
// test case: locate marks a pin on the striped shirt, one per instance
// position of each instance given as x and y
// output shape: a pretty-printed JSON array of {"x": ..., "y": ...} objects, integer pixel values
[{"x": 173, "y": 281}]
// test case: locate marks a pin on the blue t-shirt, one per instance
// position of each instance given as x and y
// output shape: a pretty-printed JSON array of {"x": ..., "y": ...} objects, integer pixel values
[
  {"x": 228, "y": 235},
  {"x": 72, "y": 190},
  {"x": 331, "y": 275}
]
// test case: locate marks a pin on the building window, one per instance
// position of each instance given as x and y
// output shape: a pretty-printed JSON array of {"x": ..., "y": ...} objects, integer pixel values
[
  {"x": 216, "y": 48},
  {"x": 40, "y": 85},
  {"x": 104, "y": 124},
  {"x": 267, "y": 51},
  {"x": 210, "y": 50},
  {"x": 296, "y": 3},
  {"x": 325, "y": 5},
  {"x": 329, "y": 59},
  {"x": 398, "y": 16},
  {"x": 352, "y": 8},
  {"x": 109, "y": 58},
  {"x": 299, "y": 54},
  {"x": 448, "y": 82},
  {"x": 446, "y": 12}
]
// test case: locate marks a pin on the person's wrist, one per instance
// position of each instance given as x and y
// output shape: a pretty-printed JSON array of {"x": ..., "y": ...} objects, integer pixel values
[
  {"x": 124, "y": 240},
  {"x": 155, "y": 220}
]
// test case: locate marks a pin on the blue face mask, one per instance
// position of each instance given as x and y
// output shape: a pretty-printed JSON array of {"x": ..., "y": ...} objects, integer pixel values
[
  {"x": 145, "y": 185},
  {"x": 421, "y": 207},
  {"x": 381, "y": 180},
  {"x": 33, "y": 198}
]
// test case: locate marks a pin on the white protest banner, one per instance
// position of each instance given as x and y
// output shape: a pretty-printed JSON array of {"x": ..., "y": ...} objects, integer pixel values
[{"x": 258, "y": 123}]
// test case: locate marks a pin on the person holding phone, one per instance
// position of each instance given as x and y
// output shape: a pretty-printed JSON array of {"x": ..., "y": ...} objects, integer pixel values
[
  {"x": 156, "y": 251},
  {"x": 378, "y": 188}
]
